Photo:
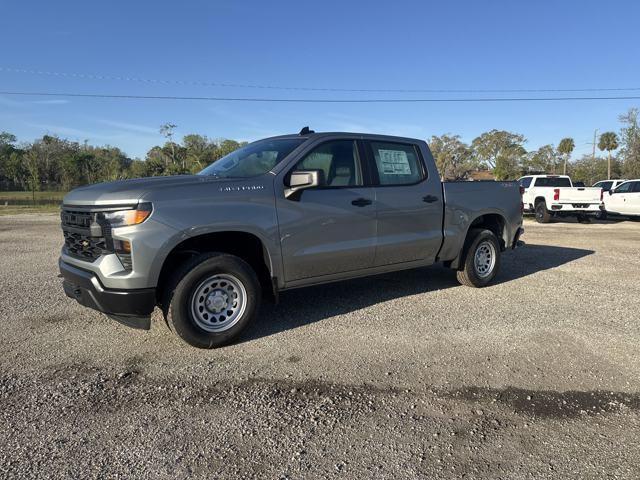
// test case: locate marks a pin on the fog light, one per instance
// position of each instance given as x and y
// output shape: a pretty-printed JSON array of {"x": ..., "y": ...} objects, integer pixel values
[
  {"x": 122, "y": 246},
  {"x": 123, "y": 251}
]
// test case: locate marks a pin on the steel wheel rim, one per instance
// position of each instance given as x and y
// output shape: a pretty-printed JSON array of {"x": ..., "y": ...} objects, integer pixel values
[
  {"x": 484, "y": 259},
  {"x": 218, "y": 302}
]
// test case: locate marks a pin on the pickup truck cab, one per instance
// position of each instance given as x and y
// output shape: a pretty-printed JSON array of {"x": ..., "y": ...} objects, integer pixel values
[
  {"x": 624, "y": 200},
  {"x": 551, "y": 196},
  {"x": 280, "y": 213}
]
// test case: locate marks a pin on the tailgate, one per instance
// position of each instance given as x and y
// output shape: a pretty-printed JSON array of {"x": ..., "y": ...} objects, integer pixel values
[{"x": 579, "y": 195}]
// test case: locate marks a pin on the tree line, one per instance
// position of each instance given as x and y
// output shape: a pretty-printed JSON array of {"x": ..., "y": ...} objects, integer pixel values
[
  {"x": 54, "y": 163},
  {"x": 504, "y": 154}
]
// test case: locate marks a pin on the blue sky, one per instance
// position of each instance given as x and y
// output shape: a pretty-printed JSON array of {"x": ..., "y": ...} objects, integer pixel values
[{"x": 328, "y": 44}]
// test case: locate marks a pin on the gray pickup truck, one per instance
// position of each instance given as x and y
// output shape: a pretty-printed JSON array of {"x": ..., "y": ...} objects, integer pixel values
[{"x": 280, "y": 213}]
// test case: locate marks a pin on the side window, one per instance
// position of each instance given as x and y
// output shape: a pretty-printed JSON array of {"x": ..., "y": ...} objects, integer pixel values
[
  {"x": 606, "y": 186},
  {"x": 339, "y": 162},
  {"x": 624, "y": 188},
  {"x": 525, "y": 182},
  {"x": 636, "y": 187},
  {"x": 397, "y": 163}
]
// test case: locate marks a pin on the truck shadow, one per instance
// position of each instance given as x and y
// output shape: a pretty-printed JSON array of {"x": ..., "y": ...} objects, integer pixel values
[{"x": 311, "y": 304}]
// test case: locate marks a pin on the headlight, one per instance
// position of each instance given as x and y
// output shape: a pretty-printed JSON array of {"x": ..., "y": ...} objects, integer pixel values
[{"x": 126, "y": 218}]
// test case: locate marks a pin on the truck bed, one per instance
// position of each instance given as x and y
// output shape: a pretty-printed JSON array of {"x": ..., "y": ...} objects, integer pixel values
[{"x": 467, "y": 200}]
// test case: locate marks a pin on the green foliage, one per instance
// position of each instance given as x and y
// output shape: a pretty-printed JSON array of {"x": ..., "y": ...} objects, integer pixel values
[
  {"x": 630, "y": 142},
  {"x": 453, "y": 158},
  {"x": 501, "y": 151},
  {"x": 52, "y": 163},
  {"x": 608, "y": 141},
  {"x": 566, "y": 146},
  {"x": 590, "y": 170},
  {"x": 544, "y": 160}
]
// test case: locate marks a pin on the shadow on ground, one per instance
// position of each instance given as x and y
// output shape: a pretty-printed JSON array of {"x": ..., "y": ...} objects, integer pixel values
[{"x": 311, "y": 304}]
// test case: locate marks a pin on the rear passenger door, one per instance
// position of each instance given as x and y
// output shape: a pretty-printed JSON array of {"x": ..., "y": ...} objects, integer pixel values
[
  {"x": 633, "y": 200},
  {"x": 409, "y": 203}
]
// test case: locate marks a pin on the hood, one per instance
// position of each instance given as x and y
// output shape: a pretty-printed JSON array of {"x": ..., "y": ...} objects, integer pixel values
[{"x": 131, "y": 191}]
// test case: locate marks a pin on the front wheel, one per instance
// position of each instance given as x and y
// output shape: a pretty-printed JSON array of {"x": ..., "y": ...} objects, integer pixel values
[
  {"x": 482, "y": 259},
  {"x": 211, "y": 299}
]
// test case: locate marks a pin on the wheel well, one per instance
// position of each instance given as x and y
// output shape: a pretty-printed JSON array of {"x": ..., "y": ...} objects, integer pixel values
[
  {"x": 538, "y": 200},
  {"x": 493, "y": 222},
  {"x": 241, "y": 244}
]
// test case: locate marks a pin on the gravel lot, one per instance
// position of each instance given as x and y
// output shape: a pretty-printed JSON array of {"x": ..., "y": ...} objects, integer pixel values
[{"x": 405, "y": 375}]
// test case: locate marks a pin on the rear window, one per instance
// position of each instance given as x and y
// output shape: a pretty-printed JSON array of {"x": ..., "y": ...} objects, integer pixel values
[{"x": 553, "y": 182}]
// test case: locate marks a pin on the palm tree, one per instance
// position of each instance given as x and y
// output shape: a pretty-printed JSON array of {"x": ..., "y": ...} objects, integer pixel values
[
  {"x": 608, "y": 141},
  {"x": 565, "y": 148}
]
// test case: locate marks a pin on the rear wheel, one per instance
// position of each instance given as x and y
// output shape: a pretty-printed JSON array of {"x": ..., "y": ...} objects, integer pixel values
[
  {"x": 211, "y": 299},
  {"x": 482, "y": 259},
  {"x": 542, "y": 214}
]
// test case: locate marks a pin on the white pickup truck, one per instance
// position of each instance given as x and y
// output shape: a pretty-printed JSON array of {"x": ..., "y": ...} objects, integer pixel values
[{"x": 551, "y": 196}]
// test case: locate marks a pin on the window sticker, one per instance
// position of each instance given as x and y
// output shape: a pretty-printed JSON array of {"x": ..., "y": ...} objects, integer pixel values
[{"x": 394, "y": 162}]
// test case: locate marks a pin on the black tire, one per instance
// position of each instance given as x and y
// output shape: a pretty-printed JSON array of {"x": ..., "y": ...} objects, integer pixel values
[
  {"x": 601, "y": 215},
  {"x": 185, "y": 282},
  {"x": 542, "y": 214},
  {"x": 468, "y": 275}
]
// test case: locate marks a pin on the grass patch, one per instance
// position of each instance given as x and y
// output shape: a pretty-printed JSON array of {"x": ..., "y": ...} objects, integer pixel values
[
  {"x": 28, "y": 195},
  {"x": 18, "y": 209}
]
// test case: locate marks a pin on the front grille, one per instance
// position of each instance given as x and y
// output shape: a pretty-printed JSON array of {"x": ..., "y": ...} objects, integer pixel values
[
  {"x": 83, "y": 246},
  {"x": 76, "y": 219},
  {"x": 84, "y": 237}
]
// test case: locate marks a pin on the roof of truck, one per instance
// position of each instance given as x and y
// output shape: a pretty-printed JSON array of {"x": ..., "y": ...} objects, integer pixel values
[{"x": 313, "y": 134}]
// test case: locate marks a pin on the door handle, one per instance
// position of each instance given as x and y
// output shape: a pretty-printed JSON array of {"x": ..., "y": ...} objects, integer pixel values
[
  {"x": 429, "y": 198},
  {"x": 361, "y": 202}
]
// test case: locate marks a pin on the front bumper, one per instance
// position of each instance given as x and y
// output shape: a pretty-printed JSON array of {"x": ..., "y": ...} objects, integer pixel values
[{"x": 130, "y": 307}]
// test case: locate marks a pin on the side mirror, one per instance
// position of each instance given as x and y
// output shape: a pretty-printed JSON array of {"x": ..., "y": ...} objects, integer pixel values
[
  {"x": 301, "y": 180},
  {"x": 610, "y": 192}
]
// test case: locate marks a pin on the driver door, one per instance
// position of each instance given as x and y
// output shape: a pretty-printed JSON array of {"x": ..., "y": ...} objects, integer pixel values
[
  {"x": 617, "y": 201},
  {"x": 329, "y": 229}
]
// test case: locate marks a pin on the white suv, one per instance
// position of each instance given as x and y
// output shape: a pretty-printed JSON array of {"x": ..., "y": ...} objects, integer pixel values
[{"x": 624, "y": 200}]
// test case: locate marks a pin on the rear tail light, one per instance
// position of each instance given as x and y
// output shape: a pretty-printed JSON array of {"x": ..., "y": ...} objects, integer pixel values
[
  {"x": 521, "y": 190},
  {"x": 601, "y": 194},
  {"x": 556, "y": 194}
]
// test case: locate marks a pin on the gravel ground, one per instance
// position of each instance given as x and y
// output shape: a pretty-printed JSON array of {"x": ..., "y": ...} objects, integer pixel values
[{"x": 405, "y": 375}]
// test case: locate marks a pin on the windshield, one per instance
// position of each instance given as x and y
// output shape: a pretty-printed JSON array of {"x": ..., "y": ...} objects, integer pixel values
[{"x": 255, "y": 159}]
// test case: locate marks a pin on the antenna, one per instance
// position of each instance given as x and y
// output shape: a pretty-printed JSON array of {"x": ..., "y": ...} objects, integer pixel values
[{"x": 305, "y": 131}]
